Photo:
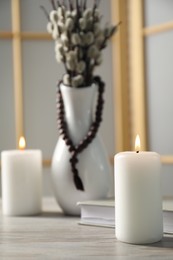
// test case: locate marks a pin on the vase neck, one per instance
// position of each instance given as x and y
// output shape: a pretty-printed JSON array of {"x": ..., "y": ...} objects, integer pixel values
[{"x": 78, "y": 106}]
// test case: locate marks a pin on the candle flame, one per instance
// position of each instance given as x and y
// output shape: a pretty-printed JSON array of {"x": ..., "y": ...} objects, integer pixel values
[
  {"x": 22, "y": 143},
  {"x": 137, "y": 144}
]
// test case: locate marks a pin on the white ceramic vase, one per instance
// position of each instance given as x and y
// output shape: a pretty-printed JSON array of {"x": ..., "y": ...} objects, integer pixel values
[{"x": 93, "y": 165}]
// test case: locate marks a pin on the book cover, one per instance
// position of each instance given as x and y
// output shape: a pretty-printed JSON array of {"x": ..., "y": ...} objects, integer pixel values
[
  {"x": 168, "y": 214},
  {"x": 98, "y": 212},
  {"x": 102, "y": 213}
]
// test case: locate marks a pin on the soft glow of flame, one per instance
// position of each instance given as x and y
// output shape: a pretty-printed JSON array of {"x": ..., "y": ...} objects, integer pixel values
[
  {"x": 22, "y": 143},
  {"x": 137, "y": 143}
]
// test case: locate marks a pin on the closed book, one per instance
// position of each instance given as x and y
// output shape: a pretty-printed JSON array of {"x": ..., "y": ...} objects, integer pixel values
[
  {"x": 97, "y": 213},
  {"x": 102, "y": 213},
  {"x": 168, "y": 214}
]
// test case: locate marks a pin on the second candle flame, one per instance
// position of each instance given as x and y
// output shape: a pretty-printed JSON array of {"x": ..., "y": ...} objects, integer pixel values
[
  {"x": 137, "y": 144},
  {"x": 22, "y": 143}
]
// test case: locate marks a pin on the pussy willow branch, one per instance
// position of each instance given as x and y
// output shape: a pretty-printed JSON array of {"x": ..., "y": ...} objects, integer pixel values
[
  {"x": 71, "y": 6},
  {"x": 45, "y": 12},
  {"x": 84, "y": 4},
  {"x": 53, "y": 4},
  {"x": 80, "y": 4},
  {"x": 65, "y": 4}
]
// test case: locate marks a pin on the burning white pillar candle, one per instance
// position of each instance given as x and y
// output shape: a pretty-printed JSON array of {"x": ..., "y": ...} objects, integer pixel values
[
  {"x": 138, "y": 198},
  {"x": 21, "y": 181}
]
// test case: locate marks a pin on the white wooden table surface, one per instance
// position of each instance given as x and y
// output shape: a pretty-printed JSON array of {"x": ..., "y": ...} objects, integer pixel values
[{"x": 55, "y": 236}]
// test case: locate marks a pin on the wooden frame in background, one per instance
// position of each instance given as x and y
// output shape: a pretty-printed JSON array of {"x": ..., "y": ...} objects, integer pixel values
[
  {"x": 17, "y": 36},
  {"x": 121, "y": 76},
  {"x": 137, "y": 34}
]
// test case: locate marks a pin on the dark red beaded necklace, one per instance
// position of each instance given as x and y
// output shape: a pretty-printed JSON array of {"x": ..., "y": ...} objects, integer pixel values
[{"x": 63, "y": 129}]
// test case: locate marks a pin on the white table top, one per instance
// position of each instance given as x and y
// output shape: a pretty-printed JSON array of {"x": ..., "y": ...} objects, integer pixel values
[{"x": 52, "y": 235}]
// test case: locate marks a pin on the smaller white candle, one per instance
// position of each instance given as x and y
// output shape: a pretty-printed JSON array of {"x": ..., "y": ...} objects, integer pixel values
[
  {"x": 138, "y": 198},
  {"x": 21, "y": 182}
]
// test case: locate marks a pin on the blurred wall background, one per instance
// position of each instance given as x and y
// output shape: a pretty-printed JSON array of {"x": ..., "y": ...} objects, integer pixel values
[{"x": 159, "y": 82}]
